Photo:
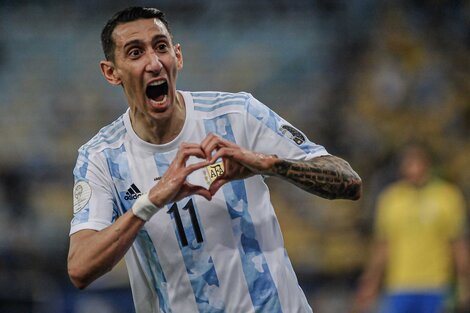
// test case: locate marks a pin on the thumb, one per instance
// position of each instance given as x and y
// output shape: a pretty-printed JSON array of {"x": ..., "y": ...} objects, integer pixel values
[
  {"x": 198, "y": 190},
  {"x": 215, "y": 186}
]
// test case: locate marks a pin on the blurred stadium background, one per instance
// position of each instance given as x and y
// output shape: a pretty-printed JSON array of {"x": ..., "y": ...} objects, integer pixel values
[{"x": 361, "y": 77}]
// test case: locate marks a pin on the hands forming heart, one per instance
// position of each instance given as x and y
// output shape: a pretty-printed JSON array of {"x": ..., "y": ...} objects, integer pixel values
[{"x": 239, "y": 163}]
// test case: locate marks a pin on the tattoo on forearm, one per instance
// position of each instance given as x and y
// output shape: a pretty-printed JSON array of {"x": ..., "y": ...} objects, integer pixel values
[{"x": 328, "y": 177}]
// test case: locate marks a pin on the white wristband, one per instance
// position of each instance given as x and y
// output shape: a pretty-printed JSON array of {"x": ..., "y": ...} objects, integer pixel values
[{"x": 143, "y": 208}]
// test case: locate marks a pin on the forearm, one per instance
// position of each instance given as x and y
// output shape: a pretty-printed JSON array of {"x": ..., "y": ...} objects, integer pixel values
[
  {"x": 93, "y": 253},
  {"x": 461, "y": 261},
  {"x": 370, "y": 281},
  {"x": 327, "y": 176},
  {"x": 373, "y": 274}
]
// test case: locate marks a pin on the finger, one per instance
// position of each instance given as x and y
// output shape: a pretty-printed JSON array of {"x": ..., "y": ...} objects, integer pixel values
[
  {"x": 210, "y": 144},
  {"x": 213, "y": 143},
  {"x": 194, "y": 167},
  {"x": 191, "y": 189},
  {"x": 223, "y": 153},
  {"x": 208, "y": 138},
  {"x": 186, "y": 145},
  {"x": 203, "y": 193},
  {"x": 187, "y": 150},
  {"x": 215, "y": 186},
  {"x": 192, "y": 149}
]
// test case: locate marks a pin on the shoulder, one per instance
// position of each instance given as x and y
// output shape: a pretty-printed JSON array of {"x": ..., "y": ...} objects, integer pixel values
[
  {"x": 446, "y": 188},
  {"x": 442, "y": 184},
  {"x": 218, "y": 101},
  {"x": 107, "y": 137},
  {"x": 211, "y": 97},
  {"x": 394, "y": 190}
]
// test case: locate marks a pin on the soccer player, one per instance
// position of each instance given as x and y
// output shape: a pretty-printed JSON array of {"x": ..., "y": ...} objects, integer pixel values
[
  {"x": 420, "y": 242},
  {"x": 176, "y": 185}
]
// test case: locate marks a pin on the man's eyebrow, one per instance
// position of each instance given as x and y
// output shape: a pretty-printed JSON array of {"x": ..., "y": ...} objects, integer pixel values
[
  {"x": 134, "y": 42},
  {"x": 160, "y": 37},
  {"x": 137, "y": 42}
]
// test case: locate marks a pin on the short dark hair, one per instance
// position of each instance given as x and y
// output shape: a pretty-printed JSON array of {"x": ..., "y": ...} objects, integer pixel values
[
  {"x": 420, "y": 147},
  {"x": 127, "y": 15}
]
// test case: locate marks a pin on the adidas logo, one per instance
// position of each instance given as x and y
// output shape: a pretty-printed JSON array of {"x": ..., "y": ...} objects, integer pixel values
[{"x": 132, "y": 193}]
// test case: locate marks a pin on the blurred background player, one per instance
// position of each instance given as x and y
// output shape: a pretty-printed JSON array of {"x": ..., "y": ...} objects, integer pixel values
[{"x": 419, "y": 242}]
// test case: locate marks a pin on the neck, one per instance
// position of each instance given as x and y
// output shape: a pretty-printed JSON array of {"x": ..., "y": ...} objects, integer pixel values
[
  {"x": 419, "y": 181},
  {"x": 162, "y": 130}
]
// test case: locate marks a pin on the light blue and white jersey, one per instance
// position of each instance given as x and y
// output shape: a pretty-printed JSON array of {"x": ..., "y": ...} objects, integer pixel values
[{"x": 223, "y": 255}]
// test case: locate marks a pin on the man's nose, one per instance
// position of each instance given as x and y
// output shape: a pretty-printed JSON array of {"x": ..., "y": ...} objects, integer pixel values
[{"x": 153, "y": 64}]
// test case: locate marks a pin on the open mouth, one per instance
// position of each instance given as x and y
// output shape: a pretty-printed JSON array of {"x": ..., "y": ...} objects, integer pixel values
[{"x": 157, "y": 90}]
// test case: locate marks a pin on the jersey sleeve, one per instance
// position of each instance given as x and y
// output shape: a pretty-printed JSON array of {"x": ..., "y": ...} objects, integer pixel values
[
  {"x": 93, "y": 204},
  {"x": 269, "y": 133}
]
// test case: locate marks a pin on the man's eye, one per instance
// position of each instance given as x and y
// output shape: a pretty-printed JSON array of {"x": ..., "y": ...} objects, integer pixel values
[
  {"x": 162, "y": 47},
  {"x": 135, "y": 52}
]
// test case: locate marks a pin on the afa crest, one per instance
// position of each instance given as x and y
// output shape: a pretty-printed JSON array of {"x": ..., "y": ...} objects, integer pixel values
[{"x": 213, "y": 171}]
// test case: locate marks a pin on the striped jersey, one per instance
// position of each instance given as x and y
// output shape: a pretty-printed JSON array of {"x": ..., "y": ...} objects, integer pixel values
[{"x": 194, "y": 255}]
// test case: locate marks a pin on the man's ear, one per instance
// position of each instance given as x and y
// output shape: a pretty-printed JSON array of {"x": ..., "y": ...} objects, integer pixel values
[
  {"x": 110, "y": 73},
  {"x": 179, "y": 56}
]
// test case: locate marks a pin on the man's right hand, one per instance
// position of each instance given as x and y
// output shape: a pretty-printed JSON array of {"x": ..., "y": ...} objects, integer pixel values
[{"x": 173, "y": 185}]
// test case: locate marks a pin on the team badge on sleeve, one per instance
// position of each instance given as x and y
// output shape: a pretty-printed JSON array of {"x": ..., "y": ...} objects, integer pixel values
[
  {"x": 293, "y": 134},
  {"x": 81, "y": 195}
]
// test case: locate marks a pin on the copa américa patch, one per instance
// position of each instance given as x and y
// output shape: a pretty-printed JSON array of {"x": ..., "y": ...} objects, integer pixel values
[
  {"x": 292, "y": 133},
  {"x": 81, "y": 195}
]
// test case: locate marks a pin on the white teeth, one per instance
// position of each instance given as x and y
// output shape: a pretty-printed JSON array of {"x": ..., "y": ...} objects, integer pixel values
[
  {"x": 160, "y": 102},
  {"x": 157, "y": 82}
]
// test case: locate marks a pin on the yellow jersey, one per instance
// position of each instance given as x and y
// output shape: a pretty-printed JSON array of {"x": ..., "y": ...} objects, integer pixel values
[{"x": 419, "y": 224}]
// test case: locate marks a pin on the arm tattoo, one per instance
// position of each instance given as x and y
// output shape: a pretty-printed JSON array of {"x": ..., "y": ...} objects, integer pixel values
[{"x": 327, "y": 176}]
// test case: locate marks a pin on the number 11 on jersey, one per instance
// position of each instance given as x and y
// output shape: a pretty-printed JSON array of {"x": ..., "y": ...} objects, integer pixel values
[{"x": 189, "y": 206}]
